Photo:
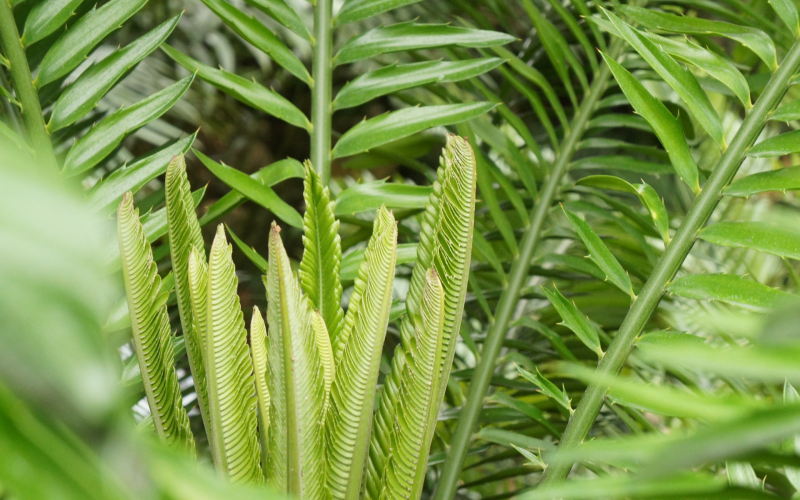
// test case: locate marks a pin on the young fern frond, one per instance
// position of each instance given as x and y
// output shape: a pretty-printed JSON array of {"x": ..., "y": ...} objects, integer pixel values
[
  {"x": 258, "y": 348},
  {"x": 357, "y": 356},
  {"x": 415, "y": 420},
  {"x": 152, "y": 339},
  {"x": 296, "y": 382},
  {"x": 445, "y": 245},
  {"x": 184, "y": 236},
  {"x": 322, "y": 253},
  {"x": 231, "y": 391}
]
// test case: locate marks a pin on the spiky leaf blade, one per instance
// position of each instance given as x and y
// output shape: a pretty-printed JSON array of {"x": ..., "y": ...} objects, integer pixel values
[
  {"x": 152, "y": 339},
  {"x": 358, "y": 355}
]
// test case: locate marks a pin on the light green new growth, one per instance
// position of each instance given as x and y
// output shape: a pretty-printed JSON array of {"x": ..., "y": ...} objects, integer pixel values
[
  {"x": 258, "y": 348},
  {"x": 184, "y": 236},
  {"x": 445, "y": 246},
  {"x": 357, "y": 356},
  {"x": 296, "y": 382},
  {"x": 231, "y": 389},
  {"x": 152, "y": 339}
]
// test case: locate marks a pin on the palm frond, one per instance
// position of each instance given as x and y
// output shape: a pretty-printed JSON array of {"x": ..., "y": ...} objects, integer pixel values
[
  {"x": 357, "y": 357},
  {"x": 231, "y": 391},
  {"x": 322, "y": 254},
  {"x": 152, "y": 339},
  {"x": 296, "y": 382}
]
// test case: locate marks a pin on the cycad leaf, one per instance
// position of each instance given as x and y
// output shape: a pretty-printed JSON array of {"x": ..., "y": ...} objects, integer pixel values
[
  {"x": 574, "y": 319},
  {"x": 84, "y": 94},
  {"x": 681, "y": 80},
  {"x": 389, "y": 127},
  {"x": 752, "y": 38},
  {"x": 185, "y": 237},
  {"x": 446, "y": 246},
  {"x": 46, "y": 17},
  {"x": 255, "y": 32},
  {"x": 666, "y": 126},
  {"x": 731, "y": 289},
  {"x": 229, "y": 371},
  {"x": 150, "y": 327},
  {"x": 247, "y": 91},
  {"x": 284, "y": 14},
  {"x": 296, "y": 383},
  {"x": 369, "y": 196},
  {"x": 787, "y": 11},
  {"x": 783, "y": 179},
  {"x": 356, "y": 10},
  {"x": 412, "y": 36},
  {"x": 73, "y": 46},
  {"x": 600, "y": 254},
  {"x": 101, "y": 140},
  {"x": 322, "y": 254},
  {"x": 776, "y": 240},
  {"x": 393, "y": 78},
  {"x": 415, "y": 419},
  {"x": 784, "y": 144},
  {"x": 357, "y": 354},
  {"x": 258, "y": 348},
  {"x": 787, "y": 112}
]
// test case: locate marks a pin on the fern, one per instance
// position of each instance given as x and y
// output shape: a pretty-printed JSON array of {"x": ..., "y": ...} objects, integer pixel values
[
  {"x": 152, "y": 339},
  {"x": 296, "y": 382},
  {"x": 357, "y": 356},
  {"x": 231, "y": 391}
]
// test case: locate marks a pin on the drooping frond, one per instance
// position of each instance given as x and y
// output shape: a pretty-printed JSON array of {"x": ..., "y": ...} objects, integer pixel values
[
  {"x": 415, "y": 419},
  {"x": 296, "y": 383},
  {"x": 358, "y": 356},
  {"x": 445, "y": 245},
  {"x": 258, "y": 346},
  {"x": 184, "y": 235},
  {"x": 152, "y": 339},
  {"x": 322, "y": 256},
  {"x": 231, "y": 390}
]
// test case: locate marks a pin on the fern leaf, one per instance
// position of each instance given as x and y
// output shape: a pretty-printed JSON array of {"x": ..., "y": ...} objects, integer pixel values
[
  {"x": 358, "y": 355},
  {"x": 445, "y": 245},
  {"x": 296, "y": 383},
  {"x": 322, "y": 256},
  {"x": 415, "y": 419},
  {"x": 258, "y": 345},
  {"x": 184, "y": 235},
  {"x": 152, "y": 339},
  {"x": 231, "y": 390}
]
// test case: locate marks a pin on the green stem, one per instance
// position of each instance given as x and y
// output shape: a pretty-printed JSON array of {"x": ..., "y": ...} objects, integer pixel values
[
  {"x": 23, "y": 83},
  {"x": 321, "y": 69},
  {"x": 672, "y": 260},
  {"x": 468, "y": 418}
]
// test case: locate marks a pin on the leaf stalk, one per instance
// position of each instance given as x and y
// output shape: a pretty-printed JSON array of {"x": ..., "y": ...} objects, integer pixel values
[{"x": 321, "y": 70}]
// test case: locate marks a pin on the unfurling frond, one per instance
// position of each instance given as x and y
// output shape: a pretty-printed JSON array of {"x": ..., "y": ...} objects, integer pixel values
[
  {"x": 322, "y": 256},
  {"x": 152, "y": 339},
  {"x": 258, "y": 346},
  {"x": 415, "y": 419},
  {"x": 358, "y": 355},
  {"x": 445, "y": 246},
  {"x": 231, "y": 390},
  {"x": 296, "y": 383},
  {"x": 184, "y": 235}
]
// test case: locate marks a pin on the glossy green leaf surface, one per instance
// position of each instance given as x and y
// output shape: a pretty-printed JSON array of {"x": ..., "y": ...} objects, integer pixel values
[
  {"x": 398, "y": 77},
  {"x": 413, "y": 36},
  {"x": 761, "y": 236},
  {"x": 82, "y": 95},
  {"x": 76, "y": 43},
  {"x": 108, "y": 192},
  {"x": 372, "y": 195},
  {"x": 622, "y": 163},
  {"x": 787, "y": 11},
  {"x": 284, "y": 14},
  {"x": 247, "y": 91},
  {"x": 787, "y": 112},
  {"x": 101, "y": 140},
  {"x": 260, "y": 36},
  {"x": 548, "y": 388},
  {"x": 253, "y": 190},
  {"x": 45, "y": 18},
  {"x": 731, "y": 289},
  {"x": 574, "y": 319},
  {"x": 249, "y": 252},
  {"x": 404, "y": 122},
  {"x": 752, "y": 38},
  {"x": 357, "y": 10},
  {"x": 779, "y": 145},
  {"x": 783, "y": 179},
  {"x": 666, "y": 126}
]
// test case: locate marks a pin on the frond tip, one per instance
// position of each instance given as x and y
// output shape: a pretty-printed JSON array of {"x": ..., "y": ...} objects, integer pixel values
[{"x": 152, "y": 339}]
